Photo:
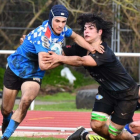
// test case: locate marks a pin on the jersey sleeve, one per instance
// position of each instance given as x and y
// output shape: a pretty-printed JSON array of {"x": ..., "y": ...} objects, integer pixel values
[
  {"x": 69, "y": 50},
  {"x": 39, "y": 40},
  {"x": 68, "y": 31},
  {"x": 107, "y": 57},
  {"x": 74, "y": 50}
]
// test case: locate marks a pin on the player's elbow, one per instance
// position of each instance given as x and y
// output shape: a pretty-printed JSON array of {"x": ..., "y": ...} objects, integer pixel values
[
  {"x": 44, "y": 67},
  {"x": 80, "y": 61}
]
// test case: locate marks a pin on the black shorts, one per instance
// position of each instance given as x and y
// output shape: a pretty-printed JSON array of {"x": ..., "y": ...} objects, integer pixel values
[
  {"x": 12, "y": 81},
  {"x": 122, "y": 104}
]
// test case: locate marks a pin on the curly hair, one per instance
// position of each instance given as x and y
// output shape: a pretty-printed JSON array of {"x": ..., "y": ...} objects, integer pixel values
[{"x": 99, "y": 23}]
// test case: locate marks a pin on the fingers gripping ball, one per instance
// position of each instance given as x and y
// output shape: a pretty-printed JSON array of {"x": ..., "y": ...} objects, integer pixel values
[{"x": 55, "y": 47}]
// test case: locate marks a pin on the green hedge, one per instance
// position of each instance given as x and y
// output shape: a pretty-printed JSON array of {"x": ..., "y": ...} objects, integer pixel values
[
  {"x": 1, "y": 77},
  {"x": 53, "y": 77}
]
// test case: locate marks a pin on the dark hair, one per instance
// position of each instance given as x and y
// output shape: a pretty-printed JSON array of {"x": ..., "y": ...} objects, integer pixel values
[{"x": 106, "y": 26}]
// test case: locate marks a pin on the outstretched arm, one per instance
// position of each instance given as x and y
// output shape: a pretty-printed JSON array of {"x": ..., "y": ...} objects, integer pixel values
[{"x": 53, "y": 58}]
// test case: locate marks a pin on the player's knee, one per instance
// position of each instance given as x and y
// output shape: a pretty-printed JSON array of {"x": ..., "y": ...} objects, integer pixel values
[
  {"x": 5, "y": 111},
  {"x": 96, "y": 125},
  {"x": 98, "y": 120},
  {"x": 114, "y": 132},
  {"x": 112, "y": 137}
]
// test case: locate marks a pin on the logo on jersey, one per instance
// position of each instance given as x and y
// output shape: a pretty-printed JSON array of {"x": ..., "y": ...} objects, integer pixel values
[
  {"x": 123, "y": 114},
  {"x": 99, "y": 97},
  {"x": 45, "y": 42},
  {"x": 36, "y": 79},
  {"x": 46, "y": 39},
  {"x": 68, "y": 46}
]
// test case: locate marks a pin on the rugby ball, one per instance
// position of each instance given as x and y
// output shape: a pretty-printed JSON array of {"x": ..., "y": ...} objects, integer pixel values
[{"x": 55, "y": 47}]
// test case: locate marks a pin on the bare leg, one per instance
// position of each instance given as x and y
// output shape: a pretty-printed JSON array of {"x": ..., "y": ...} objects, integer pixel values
[
  {"x": 101, "y": 128},
  {"x": 8, "y": 101},
  {"x": 29, "y": 92}
]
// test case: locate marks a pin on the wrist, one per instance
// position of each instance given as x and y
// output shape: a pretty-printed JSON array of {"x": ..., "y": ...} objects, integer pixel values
[
  {"x": 59, "y": 58},
  {"x": 92, "y": 49}
]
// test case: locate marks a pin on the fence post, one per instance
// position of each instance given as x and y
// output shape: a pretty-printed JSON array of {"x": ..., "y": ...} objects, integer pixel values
[
  {"x": 32, "y": 105},
  {"x": 139, "y": 71}
]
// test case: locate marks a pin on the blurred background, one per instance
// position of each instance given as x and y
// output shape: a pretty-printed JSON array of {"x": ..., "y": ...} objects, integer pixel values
[{"x": 18, "y": 17}]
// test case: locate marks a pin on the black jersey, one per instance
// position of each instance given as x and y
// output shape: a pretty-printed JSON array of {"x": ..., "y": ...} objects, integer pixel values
[{"x": 109, "y": 72}]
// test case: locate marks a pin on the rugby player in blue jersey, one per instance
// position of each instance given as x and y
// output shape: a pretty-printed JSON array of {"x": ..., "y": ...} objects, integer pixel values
[
  {"x": 117, "y": 93},
  {"x": 26, "y": 70}
]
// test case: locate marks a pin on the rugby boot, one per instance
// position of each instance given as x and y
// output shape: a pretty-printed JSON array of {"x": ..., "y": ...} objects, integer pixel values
[
  {"x": 4, "y": 138},
  {"x": 77, "y": 134},
  {"x": 4, "y": 126}
]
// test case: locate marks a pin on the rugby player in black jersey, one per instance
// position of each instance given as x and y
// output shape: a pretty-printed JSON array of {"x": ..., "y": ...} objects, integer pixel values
[{"x": 117, "y": 93}]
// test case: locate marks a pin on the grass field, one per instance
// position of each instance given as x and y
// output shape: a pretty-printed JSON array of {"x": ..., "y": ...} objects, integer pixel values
[
  {"x": 64, "y": 96},
  {"x": 69, "y": 106},
  {"x": 62, "y": 102}
]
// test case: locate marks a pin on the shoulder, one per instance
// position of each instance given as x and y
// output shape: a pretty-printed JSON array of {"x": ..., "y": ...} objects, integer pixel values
[
  {"x": 74, "y": 49},
  {"x": 42, "y": 29},
  {"x": 107, "y": 57},
  {"x": 67, "y": 31},
  {"x": 67, "y": 28},
  {"x": 108, "y": 51}
]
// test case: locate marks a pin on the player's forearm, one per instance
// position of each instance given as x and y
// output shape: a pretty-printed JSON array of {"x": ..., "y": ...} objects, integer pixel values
[
  {"x": 71, "y": 60},
  {"x": 48, "y": 66},
  {"x": 54, "y": 66},
  {"x": 81, "y": 42}
]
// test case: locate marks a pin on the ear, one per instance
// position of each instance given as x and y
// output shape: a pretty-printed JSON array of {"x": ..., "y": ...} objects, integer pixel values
[{"x": 100, "y": 31}]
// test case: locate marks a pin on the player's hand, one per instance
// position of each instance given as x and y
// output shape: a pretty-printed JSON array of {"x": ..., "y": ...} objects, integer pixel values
[
  {"x": 22, "y": 39},
  {"x": 51, "y": 57},
  {"x": 44, "y": 58},
  {"x": 99, "y": 48}
]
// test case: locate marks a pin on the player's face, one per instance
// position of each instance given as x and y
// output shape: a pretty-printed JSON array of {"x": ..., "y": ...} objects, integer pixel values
[
  {"x": 90, "y": 33},
  {"x": 58, "y": 24}
]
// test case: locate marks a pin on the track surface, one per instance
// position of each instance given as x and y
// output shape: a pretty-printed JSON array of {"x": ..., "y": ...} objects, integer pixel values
[{"x": 57, "y": 119}]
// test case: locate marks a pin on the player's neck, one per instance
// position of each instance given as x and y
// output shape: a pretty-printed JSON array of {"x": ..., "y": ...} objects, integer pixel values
[{"x": 96, "y": 43}]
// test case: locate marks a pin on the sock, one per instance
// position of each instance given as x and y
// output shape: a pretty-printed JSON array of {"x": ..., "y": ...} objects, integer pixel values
[
  {"x": 84, "y": 135},
  {"x": 10, "y": 129},
  {"x": 127, "y": 128},
  {"x": 7, "y": 119}
]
